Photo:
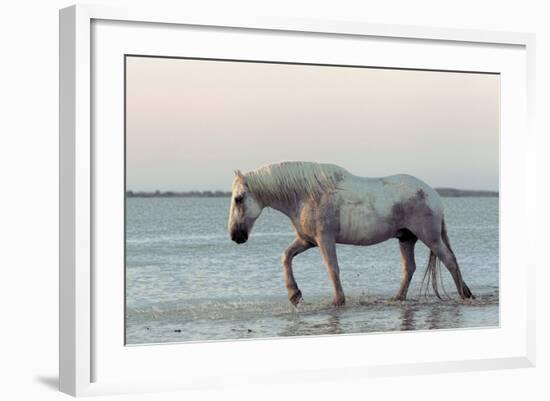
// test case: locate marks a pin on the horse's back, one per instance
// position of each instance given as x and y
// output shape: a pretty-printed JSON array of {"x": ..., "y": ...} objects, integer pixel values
[
  {"x": 384, "y": 192},
  {"x": 374, "y": 209},
  {"x": 404, "y": 187}
]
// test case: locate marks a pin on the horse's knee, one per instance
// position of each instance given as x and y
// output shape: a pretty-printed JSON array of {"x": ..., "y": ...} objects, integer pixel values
[{"x": 286, "y": 258}]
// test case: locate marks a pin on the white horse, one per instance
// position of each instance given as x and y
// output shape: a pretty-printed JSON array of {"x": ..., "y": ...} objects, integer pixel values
[{"x": 328, "y": 205}]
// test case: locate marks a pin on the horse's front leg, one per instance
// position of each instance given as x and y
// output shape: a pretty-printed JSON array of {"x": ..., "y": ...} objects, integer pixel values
[
  {"x": 327, "y": 245},
  {"x": 298, "y": 246}
]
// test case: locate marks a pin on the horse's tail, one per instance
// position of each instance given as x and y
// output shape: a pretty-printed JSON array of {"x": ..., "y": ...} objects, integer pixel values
[
  {"x": 431, "y": 274},
  {"x": 433, "y": 271}
]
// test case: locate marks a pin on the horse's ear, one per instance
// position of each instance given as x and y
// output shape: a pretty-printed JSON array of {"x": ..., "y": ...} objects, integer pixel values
[{"x": 239, "y": 175}]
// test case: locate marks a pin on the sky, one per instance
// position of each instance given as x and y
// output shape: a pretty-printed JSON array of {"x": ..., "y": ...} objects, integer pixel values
[{"x": 191, "y": 123}]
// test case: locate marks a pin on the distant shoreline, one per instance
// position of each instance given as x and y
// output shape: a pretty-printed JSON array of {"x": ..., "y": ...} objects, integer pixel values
[{"x": 444, "y": 192}]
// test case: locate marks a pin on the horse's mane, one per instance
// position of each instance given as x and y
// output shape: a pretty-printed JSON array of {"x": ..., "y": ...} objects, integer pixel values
[{"x": 291, "y": 181}]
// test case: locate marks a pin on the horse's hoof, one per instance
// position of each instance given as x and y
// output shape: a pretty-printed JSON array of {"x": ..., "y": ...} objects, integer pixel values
[
  {"x": 296, "y": 298},
  {"x": 338, "y": 303},
  {"x": 399, "y": 298},
  {"x": 467, "y": 294}
]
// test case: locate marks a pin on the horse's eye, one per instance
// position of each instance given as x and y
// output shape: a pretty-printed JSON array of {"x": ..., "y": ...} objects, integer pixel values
[{"x": 239, "y": 198}]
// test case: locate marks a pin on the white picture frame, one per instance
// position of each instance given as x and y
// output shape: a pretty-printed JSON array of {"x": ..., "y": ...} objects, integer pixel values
[{"x": 86, "y": 351}]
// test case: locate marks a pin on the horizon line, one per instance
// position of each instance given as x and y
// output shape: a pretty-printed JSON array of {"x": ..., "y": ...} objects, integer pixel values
[{"x": 441, "y": 191}]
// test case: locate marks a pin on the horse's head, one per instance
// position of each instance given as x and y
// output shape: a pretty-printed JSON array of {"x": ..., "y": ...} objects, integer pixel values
[{"x": 244, "y": 211}]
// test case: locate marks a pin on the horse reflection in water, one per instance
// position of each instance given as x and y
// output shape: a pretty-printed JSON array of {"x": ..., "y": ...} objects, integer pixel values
[
  {"x": 328, "y": 205},
  {"x": 407, "y": 319},
  {"x": 428, "y": 315},
  {"x": 329, "y": 322}
]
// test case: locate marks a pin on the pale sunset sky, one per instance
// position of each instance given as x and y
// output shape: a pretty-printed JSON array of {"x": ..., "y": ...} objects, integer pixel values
[{"x": 190, "y": 123}]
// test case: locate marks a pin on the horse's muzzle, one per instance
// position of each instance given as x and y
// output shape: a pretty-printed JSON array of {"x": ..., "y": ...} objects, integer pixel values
[{"x": 239, "y": 235}]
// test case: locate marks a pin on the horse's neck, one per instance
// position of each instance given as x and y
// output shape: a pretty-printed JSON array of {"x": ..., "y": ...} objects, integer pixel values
[{"x": 292, "y": 210}]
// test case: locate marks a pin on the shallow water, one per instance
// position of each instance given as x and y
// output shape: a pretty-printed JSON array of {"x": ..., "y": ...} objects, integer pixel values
[{"x": 186, "y": 281}]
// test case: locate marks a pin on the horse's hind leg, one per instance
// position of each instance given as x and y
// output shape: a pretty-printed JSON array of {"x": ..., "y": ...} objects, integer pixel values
[
  {"x": 433, "y": 233},
  {"x": 446, "y": 255},
  {"x": 406, "y": 246},
  {"x": 298, "y": 246}
]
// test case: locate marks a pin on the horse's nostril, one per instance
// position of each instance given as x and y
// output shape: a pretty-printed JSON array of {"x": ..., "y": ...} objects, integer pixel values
[{"x": 239, "y": 236}]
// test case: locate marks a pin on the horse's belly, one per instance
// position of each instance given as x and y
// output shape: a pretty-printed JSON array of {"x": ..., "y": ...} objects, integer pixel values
[{"x": 362, "y": 226}]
